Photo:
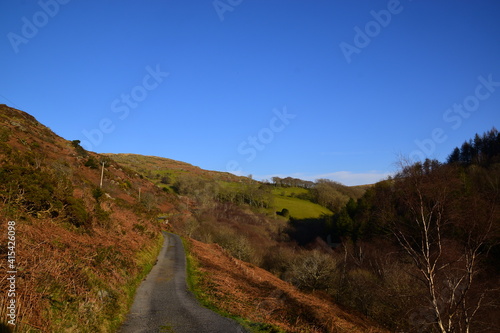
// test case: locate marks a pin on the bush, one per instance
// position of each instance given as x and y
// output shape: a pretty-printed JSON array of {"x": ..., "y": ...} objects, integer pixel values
[
  {"x": 76, "y": 212},
  {"x": 313, "y": 270},
  {"x": 4, "y": 134},
  {"x": 236, "y": 244},
  {"x": 32, "y": 189},
  {"x": 79, "y": 149},
  {"x": 284, "y": 212},
  {"x": 277, "y": 260},
  {"x": 102, "y": 217},
  {"x": 91, "y": 163},
  {"x": 97, "y": 193}
]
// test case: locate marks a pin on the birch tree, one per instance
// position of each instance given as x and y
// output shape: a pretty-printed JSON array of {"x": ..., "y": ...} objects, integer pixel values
[{"x": 445, "y": 251}]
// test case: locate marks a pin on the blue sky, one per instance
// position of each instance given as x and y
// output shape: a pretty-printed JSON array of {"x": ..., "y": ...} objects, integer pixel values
[{"x": 309, "y": 89}]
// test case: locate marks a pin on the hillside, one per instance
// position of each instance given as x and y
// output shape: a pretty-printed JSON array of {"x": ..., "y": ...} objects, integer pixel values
[
  {"x": 170, "y": 174},
  {"x": 155, "y": 168},
  {"x": 81, "y": 249},
  {"x": 249, "y": 292}
]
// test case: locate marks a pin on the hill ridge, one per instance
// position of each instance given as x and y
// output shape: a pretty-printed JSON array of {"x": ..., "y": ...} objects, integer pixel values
[{"x": 82, "y": 249}]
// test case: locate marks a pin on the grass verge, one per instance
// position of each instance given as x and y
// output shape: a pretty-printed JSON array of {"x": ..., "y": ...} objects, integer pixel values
[
  {"x": 197, "y": 282},
  {"x": 146, "y": 260}
]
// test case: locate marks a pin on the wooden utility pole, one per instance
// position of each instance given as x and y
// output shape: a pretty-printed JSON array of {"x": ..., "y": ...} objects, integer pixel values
[{"x": 102, "y": 174}]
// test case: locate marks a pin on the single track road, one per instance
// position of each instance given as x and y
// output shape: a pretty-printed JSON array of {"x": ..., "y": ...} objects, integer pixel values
[{"x": 164, "y": 304}]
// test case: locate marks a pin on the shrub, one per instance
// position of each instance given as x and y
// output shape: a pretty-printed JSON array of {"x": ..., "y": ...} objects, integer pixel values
[
  {"x": 236, "y": 244},
  {"x": 4, "y": 134},
  {"x": 277, "y": 260},
  {"x": 102, "y": 217},
  {"x": 32, "y": 189},
  {"x": 97, "y": 193},
  {"x": 313, "y": 270},
  {"x": 79, "y": 149},
  {"x": 76, "y": 213},
  {"x": 91, "y": 163},
  {"x": 284, "y": 212}
]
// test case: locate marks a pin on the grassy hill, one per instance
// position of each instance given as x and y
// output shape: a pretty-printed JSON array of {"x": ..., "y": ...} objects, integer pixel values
[
  {"x": 82, "y": 249},
  {"x": 165, "y": 172},
  {"x": 290, "y": 199},
  {"x": 155, "y": 168},
  {"x": 298, "y": 208}
]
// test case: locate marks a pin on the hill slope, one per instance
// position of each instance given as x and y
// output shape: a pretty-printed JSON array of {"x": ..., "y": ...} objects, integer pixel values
[
  {"x": 167, "y": 173},
  {"x": 81, "y": 249}
]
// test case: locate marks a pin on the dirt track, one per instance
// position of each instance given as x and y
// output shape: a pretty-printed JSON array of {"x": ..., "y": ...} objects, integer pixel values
[{"x": 163, "y": 303}]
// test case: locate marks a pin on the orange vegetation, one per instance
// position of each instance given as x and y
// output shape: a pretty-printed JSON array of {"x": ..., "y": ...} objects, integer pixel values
[{"x": 244, "y": 290}]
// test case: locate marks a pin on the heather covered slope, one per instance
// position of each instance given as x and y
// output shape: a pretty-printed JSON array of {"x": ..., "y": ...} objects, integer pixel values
[
  {"x": 156, "y": 168},
  {"x": 81, "y": 250},
  {"x": 269, "y": 303}
]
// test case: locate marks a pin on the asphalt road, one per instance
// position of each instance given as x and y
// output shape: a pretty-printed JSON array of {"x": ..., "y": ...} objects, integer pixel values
[{"x": 164, "y": 304}]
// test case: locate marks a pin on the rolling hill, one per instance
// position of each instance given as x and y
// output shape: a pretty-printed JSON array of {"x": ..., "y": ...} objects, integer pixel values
[{"x": 81, "y": 248}]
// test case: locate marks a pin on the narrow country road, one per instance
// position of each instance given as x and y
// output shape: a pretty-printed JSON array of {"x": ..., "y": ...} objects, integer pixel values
[{"x": 163, "y": 303}]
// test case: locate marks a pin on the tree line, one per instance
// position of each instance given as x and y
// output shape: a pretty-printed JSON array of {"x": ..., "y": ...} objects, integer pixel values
[
  {"x": 420, "y": 251},
  {"x": 482, "y": 150}
]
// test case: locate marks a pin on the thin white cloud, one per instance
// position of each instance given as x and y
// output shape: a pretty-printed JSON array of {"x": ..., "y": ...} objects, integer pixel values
[
  {"x": 350, "y": 178},
  {"x": 345, "y": 177}
]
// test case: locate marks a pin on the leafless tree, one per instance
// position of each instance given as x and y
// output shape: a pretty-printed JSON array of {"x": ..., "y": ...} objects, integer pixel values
[{"x": 448, "y": 266}]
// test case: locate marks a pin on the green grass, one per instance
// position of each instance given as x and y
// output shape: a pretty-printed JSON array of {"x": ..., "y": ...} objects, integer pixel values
[
  {"x": 285, "y": 197},
  {"x": 230, "y": 185},
  {"x": 289, "y": 191},
  {"x": 300, "y": 209},
  {"x": 167, "y": 328},
  {"x": 194, "y": 276}
]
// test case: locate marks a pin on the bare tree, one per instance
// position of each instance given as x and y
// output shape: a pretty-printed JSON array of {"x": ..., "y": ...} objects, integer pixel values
[
  {"x": 313, "y": 271},
  {"x": 447, "y": 265},
  {"x": 150, "y": 201}
]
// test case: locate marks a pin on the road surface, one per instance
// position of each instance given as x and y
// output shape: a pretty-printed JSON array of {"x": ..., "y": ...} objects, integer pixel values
[{"x": 163, "y": 303}]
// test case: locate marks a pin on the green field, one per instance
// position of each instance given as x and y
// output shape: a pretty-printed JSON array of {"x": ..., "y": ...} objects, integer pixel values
[
  {"x": 298, "y": 208},
  {"x": 289, "y": 191}
]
